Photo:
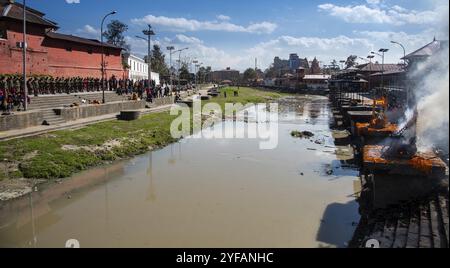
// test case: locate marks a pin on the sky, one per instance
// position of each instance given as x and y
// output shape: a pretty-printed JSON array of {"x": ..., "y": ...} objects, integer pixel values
[{"x": 231, "y": 33}]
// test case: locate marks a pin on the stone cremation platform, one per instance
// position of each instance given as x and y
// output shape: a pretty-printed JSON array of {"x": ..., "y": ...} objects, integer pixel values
[{"x": 422, "y": 164}]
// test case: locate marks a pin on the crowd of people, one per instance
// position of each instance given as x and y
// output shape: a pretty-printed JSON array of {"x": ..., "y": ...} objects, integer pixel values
[{"x": 12, "y": 95}]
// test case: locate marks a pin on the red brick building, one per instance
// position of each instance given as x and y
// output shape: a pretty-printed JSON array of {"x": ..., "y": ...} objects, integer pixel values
[{"x": 49, "y": 52}]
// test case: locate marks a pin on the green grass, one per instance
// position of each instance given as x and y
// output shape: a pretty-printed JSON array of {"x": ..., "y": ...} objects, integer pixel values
[
  {"x": 43, "y": 157},
  {"x": 246, "y": 95},
  {"x": 52, "y": 161}
]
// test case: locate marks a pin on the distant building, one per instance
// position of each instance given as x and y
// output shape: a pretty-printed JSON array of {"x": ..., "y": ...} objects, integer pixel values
[
  {"x": 227, "y": 74},
  {"x": 316, "y": 81},
  {"x": 49, "y": 52},
  {"x": 280, "y": 64},
  {"x": 138, "y": 69},
  {"x": 294, "y": 61}
]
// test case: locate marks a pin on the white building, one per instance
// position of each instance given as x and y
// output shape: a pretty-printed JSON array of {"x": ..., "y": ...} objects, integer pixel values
[
  {"x": 317, "y": 81},
  {"x": 139, "y": 69}
]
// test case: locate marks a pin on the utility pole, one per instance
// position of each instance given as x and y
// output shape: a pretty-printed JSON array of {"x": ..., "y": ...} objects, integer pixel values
[
  {"x": 170, "y": 48},
  {"x": 24, "y": 55}
]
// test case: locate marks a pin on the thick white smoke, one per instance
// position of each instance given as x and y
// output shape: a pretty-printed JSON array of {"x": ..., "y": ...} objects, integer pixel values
[{"x": 432, "y": 99}]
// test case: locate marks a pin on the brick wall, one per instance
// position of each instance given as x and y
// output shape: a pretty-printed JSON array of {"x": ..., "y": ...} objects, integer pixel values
[{"x": 46, "y": 56}]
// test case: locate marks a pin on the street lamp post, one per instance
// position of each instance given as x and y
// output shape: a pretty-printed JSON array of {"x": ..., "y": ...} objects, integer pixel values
[
  {"x": 370, "y": 57},
  {"x": 382, "y": 51},
  {"x": 149, "y": 34},
  {"x": 24, "y": 56},
  {"x": 179, "y": 64},
  {"x": 103, "y": 54},
  {"x": 404, "y": 67},
  {"x": 195, "y": 62},
  {"x": 170, "y": 48},
  {"x": 404, "y": 52}
]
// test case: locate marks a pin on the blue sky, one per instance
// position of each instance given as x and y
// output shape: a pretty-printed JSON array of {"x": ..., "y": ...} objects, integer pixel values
[{"x": 223, "y": 33}]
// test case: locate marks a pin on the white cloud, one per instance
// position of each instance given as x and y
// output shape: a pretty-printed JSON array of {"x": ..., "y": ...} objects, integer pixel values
[
  {"x": 378, "y": 14},
  {"x": 223, "y": 17},
  {"x": 188, "y": 39},
  {"x": 89, "y": 31},
  {"x": 325, "y": 49},
  {"x": 410, "y": 41},
  {"x": 191, "y": 25},
  {"x": 209, "y": 56},
  {"x": 72, "y": 1},
  {"x": 374, "y": 2}
]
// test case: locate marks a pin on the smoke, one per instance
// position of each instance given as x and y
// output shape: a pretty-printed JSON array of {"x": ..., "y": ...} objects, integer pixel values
[{"x": 432, "y": 97}]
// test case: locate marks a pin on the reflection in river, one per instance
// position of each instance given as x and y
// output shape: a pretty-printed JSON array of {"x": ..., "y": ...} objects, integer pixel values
[{"x": 202, "y": 193}]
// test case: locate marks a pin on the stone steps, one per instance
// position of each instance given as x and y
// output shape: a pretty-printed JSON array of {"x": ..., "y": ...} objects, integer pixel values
[
  {"x": 420, "y": 224},
  {"x": 52, "y": 118},
  {"x": 57, "y": 101}
]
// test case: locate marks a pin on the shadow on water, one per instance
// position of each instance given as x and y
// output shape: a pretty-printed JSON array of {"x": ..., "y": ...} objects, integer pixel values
[{"x": 338, "y": 223}]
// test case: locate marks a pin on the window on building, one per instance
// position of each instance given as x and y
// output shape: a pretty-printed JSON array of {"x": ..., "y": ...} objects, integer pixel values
[
  {"x": 3, "y": 32},
  {"x": 90, "y": 51},
  {"x": 69, "y": 49}
]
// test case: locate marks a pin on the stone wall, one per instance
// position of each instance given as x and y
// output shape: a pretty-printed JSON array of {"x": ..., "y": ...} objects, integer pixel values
[
  {"x": 163, "y": 101},
  {"x": 21, "y": 120},
  {"x": 33, "y": 118},
  {"x": 86, "y": 111}
]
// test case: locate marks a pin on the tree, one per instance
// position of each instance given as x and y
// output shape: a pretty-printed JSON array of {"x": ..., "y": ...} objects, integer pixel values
[
  {"x": 204, "y": 74},
  {"x": 158, "y": 61},
  {"x": 115, "y": 34},
  {"x": 271, "y": 72},
  {"x": 184, "y": 72},
  {"x": 250, "y": 74},
  {"x": 334, "y": 65},
  {"x": 351, "y": 61}
]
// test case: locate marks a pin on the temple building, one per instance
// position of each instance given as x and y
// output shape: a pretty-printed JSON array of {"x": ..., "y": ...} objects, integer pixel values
[{"x": 50, "y": 52}]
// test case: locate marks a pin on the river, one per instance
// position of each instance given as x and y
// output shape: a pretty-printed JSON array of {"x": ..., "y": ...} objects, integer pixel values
[{"x": 222, "y": 193}]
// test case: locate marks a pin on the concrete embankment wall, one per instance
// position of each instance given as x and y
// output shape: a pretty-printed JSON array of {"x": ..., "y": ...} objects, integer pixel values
[
  {"x": 86, "y": 111},
  {"x": 21, "y": 120},
  {"x": 163, "y": 101}
]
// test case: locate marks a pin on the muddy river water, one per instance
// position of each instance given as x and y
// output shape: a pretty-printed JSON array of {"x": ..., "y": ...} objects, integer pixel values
[{"x": 203, "y": 193}]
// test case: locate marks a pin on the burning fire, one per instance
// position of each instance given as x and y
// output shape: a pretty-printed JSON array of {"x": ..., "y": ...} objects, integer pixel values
[
  {"x": 422, "y": 164},
  {"x": 381, "y": 102}
]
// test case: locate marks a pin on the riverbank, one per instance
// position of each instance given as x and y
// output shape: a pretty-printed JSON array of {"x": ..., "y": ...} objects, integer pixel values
[
  {"x": 60, "y": 154},
  {"x": 203, "y": 188}
]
